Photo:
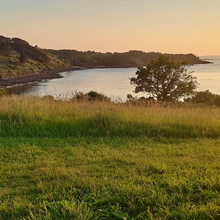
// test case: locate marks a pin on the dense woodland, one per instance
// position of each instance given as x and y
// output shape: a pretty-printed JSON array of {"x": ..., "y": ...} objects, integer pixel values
[{"x": 18, "y": 57}]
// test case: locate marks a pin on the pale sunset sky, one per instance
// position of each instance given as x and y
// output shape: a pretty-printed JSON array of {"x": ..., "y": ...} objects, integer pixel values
[{"x": 167, "y": 26}]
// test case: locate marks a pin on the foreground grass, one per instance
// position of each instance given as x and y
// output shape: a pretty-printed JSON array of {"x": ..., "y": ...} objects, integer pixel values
[{"x": 70, "y": 160}]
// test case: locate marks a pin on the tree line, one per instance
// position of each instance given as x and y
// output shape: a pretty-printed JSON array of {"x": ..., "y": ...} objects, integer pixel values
[
  {"x": 23, "y": 48},
  {"x": 132, "y": 58}
]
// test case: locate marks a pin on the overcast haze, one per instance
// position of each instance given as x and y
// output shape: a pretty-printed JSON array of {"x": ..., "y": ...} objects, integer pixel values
[{"x": 172, "y": 26}]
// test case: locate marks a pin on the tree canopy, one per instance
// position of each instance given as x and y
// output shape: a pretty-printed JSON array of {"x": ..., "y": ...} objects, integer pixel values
[{"x": 164, "y": 80}]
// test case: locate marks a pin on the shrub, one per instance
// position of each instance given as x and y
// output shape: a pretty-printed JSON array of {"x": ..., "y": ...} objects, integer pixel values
[
  {"x": 206, "y": 97},
  {"x": 90, "y": 96}
]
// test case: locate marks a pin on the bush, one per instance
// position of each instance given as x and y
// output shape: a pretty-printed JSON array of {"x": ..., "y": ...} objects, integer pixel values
[
  {"x": 95, "y": 96},
  {"x": 206, "y": 97},
  {"x": 90, "y": 96},
  {"x": 217, "y": 100}
]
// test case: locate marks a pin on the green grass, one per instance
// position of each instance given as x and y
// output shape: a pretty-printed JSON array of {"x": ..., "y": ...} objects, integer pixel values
[
  {"x": 10, "y": 65},
  {"x": 81, "y": 160}
]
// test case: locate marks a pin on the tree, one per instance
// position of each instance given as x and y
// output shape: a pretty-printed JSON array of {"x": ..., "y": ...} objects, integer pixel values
[{"x": 164, "y": 80}]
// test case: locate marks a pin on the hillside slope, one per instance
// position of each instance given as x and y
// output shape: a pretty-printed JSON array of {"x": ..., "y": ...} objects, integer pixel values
[{"x": 18, "y": 57}]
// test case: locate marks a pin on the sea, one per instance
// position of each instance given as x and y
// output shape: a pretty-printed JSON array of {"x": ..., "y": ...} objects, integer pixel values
[{"x": 114, "y": 82}]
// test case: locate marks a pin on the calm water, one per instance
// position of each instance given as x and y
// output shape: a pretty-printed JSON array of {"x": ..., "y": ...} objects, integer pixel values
[{"x": 114, "y": 83}]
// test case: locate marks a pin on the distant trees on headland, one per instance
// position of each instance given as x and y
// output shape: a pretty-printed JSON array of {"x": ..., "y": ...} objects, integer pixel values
[
  {"x": 132, "y": 58},
  {"x": 18, "y": 57},
  {"x": 23, "y": 48}
]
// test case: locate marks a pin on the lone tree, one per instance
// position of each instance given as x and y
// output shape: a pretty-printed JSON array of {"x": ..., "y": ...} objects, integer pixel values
[{"x": 164, "y": 80}]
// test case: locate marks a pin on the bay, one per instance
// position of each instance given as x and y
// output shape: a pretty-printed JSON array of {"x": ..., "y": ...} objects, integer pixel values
[{"x": 114, "y": 82}]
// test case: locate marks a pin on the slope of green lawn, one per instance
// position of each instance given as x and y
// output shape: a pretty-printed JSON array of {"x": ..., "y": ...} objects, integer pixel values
[{"x": 81, "y": 160}]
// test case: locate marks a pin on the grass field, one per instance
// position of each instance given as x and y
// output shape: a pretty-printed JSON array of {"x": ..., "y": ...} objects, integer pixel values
[{"x": 101, "y": 160}]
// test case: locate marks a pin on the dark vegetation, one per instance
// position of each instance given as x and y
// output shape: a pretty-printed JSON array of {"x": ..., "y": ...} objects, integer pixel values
[
  {"x": 133, "y": 58},
  {"x": 201, "y": 98},
  {"x": 7, "y": 45},
  {"x": 91, "y": 96},
  {"x": 165, "y": 80},
  {"x": 18, "y": 57},
  {"x": 205, "y": 97}
]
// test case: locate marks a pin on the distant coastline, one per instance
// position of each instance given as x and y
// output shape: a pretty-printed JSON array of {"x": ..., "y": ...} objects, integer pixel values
[{"x": 21, "y": 63}]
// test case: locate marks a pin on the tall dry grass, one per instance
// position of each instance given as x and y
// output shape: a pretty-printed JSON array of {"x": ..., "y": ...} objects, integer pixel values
[{"x": 46, "y": 117}]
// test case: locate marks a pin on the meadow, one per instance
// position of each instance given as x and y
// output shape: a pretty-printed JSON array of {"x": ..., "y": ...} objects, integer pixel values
[{"x": 86, "y": 160}]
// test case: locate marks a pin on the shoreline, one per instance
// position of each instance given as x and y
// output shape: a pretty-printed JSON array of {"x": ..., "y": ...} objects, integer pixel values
[
  {"x": 52, "y": 74},
  {"x": 35, "y": 77},
  {"x": 45, "y": 75}
]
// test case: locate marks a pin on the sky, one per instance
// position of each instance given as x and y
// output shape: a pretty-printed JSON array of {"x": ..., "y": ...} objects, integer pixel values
[{"x": 166, "y": 26}]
